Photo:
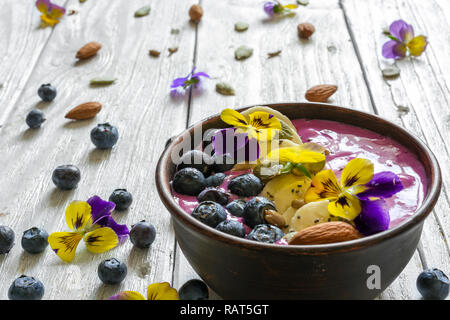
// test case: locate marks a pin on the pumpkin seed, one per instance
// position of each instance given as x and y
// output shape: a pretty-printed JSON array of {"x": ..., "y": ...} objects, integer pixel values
[
  {"x": 273, "y": 54},
  {"x": 175, "y": 31},
  {"x": 142, "y": 11},
  {"x": 303, "y": 2},
  {"x": 225, "y": 89},
  {"x": 82, "y": 1},
  {"x": 102, "y": 81},
  {"x": 241, "y": 26},
  {"x": 391, "y": 72},
  {"x": 243, "y": 52}
]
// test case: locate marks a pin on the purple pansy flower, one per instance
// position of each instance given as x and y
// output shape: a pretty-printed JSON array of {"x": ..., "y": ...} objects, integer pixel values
[
  {"x": 237, "y": 145},
  {"x": 268, "y": 8},
  {"x": 193, "y": 78},
  {"x": 403, "y": 41},
  {"x": 273, "y": 8},
  {"x": 101, "y": 216}
]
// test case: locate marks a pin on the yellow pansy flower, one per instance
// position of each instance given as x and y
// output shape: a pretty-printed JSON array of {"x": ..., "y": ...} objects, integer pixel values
[{"x": 155, "y": 291}]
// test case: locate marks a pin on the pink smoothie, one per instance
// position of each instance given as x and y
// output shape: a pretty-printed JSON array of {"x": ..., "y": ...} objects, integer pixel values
[{"x": 346, "y": 142}]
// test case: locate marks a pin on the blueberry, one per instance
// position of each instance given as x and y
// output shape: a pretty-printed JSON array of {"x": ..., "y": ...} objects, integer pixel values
[
  {"x": 122, "y": 198},
  {"x": 210, "y": 213},
  {"x": 104, "y": 136},
  {"x": 66, "y": 177},
  {"x": 215, "y": 180},
  {"x": 35, "y": 118},
  {"x": 195, "y": 159},
  {"x": 112, "y": 271},
  {"x": 142, "y": 234},
  {"x": 47, "y": 92},
  {"x": 254, "y": 211},
  {"x": 189, "y": 181},
  {"x": 236, "y": 207},
  {"x": 6, "y": 239},
  {"x": 265, "y": 233},
  {"x": 194, "y": 290},
  {"x": 433, "y": 284},
  {"x": 215, "y": 195},
  {"x": 246, "y": 185},
  {"x": 222, "y": 163},
  {"x": 35, "y": 240},
  {"x": 233, "y": 227},
  {"x": 26, "y": 288}
]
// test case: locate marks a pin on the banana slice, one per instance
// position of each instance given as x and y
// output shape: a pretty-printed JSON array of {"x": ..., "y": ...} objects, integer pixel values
[
  {"x": 282, "y": 190},
  {"x": 310, "y": 214}
]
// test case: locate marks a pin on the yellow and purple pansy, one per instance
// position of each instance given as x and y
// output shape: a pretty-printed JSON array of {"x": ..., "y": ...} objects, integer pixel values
[
  {"x": 359, "y": 195},
  {"x": 275, "y": 8},
  {"x": 155, "y": 291},
  {"x": 51, "y": 13},
  {"x": 91, "y": 221},
  {"x": 403, "y": 41}
]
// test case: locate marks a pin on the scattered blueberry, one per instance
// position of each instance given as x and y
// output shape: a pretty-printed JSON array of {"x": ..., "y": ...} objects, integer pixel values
[
  {"x": 122, "y": 198},
  {"x": 222, "y": 163},
  {"x": 265, "y": 233},
  {"x": 26, "y": 288},
  {"x": 112, "y": 271},
  {"x": 189, "y": 181},
  {"x": 35, "y": 118},
  {"x": 142, "y": 234},
  {"x": 66, "y": 177},
  {"x": 433, "y": 284},
  {"x": 233, "y": 227},
  {"x": 215, "y": 180},
  {"x": 246, "y": 185},
  {"x": 35, "y": 240},
  {"x": 215, "y": 195},
  {"x": 210, "y": 213},
  {"x": 194, "y": 290},
  {"x": 47, "y": 92},
  {"x": 254, "y": 211},
  {"x": 236, "y": 207},
  {"x": 104, "y": 136},
  {"x": 6, "y": 239},
  {"x": 195, "y": 159}
]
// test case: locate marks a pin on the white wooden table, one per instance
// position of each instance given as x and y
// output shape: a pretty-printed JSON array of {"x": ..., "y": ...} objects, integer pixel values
[{"x": 345, "y": 50}]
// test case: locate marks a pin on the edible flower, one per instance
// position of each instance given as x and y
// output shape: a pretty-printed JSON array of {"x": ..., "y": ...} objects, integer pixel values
[
  {"x": 192, "y": 79},
  {"x": 155, "y": 291},
  {"x": 360, "y": 194},
  {"x": 51, "y": 13},
  {"x": 403, "y": 41},
  {"x": 91, "y": 221},
  {"x": 274, "y": 8},
  {"x": 237, "y": 145}
]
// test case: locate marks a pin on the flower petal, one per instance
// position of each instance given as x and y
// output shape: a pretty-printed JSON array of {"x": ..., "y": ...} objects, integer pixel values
[
  {"x": 161, "y": 291},
  {"x": 56, "y": 11},
  {"x": 101, "y": 240},
  {"x": 78, "y": 215},
  {"x": 264, "y": 120},
  {"x": 128, "y": 295},
  {"x": 383, "y": 185},
  {"x": 100, "y": 207},
  {"x": 121, "y": 230},
  {"x": 228, "y": 141},
  {"x": 200, "y": 74},
  {"x": 43, "y": 6},
  {"x": 374, "y": 217},
  {"x": 234, "y": 118},
  {"x": 357, "y": 171},
  {"x": 346, "y": 206},
  {"x": 394, "y": 50},
  {"x": 324, "y": 186},
  {"x": 401, "y": 30},
  {"x": 268, "y": 8},
  {"x": 417, "y": 45},
  {"x": 179, "y": 82},
  {"x": 65, "y": 244}
]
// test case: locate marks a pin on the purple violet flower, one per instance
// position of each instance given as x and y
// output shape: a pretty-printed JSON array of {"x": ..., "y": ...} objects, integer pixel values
[
  {"x": 403, "y": 41},
  {"x": 193, "y": 78},
  {"x": 237, "y": 145}
]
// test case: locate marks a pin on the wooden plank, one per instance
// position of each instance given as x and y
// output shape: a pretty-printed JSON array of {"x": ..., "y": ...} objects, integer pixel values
[
  {"x": 140, "y": 106},
  {"x": 423, "y": 88}
]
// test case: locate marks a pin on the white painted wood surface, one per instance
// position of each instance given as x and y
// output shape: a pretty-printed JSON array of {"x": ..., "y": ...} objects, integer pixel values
[{"x": 345, "y": 50}]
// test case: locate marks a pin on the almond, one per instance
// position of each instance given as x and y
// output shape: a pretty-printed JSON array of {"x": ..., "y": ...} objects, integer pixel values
[
  {"x": 196, "y": 13},
  {"x": 320, "y": 93},
  {"x": 328, "y": 232},
  {"x": 305, "y": 30},
  {"x": 88, "y": 50},
  {"x": 84, "y": 111}
]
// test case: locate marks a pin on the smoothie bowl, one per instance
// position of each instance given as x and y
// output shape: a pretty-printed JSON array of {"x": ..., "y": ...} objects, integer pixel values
[{"x": 297, "y": 201}]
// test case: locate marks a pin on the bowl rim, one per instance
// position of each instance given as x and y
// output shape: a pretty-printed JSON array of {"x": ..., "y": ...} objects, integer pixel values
[{"x": 432, "y": 195}]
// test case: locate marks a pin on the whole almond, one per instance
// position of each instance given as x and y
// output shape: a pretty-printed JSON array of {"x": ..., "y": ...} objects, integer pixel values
[
  {"x": 320, "y": 93},
  {"x": 84, "y": 111},
  {"x": 328, "y": 232},
  {"x": 196, "y": 13},
  {"x": 305, "y": 30},
  {"x": 88, "y": 50}
]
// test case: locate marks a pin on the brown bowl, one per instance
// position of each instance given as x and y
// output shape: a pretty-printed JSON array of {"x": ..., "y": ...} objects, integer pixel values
[{"x": 236, "y": 268}]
